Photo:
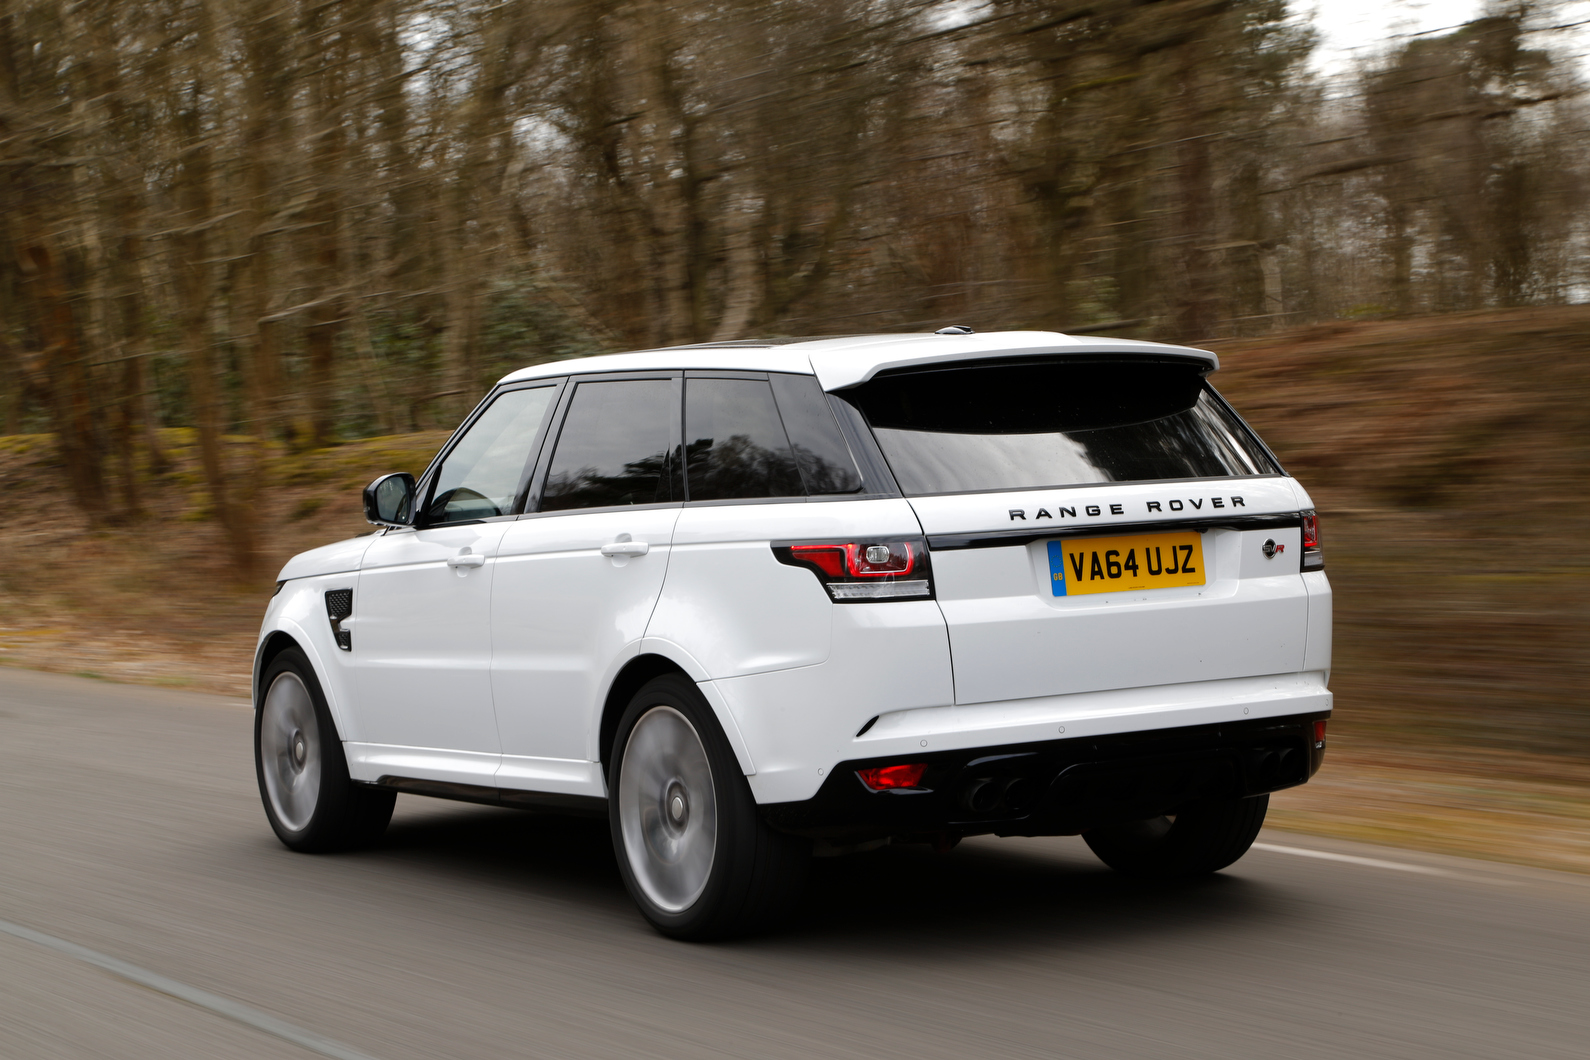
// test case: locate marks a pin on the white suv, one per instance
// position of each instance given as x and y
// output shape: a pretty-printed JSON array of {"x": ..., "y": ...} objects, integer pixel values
[{"x": 755, "y": 601}]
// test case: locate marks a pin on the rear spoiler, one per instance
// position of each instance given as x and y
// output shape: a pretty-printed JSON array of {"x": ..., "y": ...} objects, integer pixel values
[{"x": 853, "y": 364}]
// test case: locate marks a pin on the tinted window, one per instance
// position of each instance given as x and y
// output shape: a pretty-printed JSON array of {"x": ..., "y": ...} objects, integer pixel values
[
  {"x": 820, "y": 452},
  {"x": 480, "y": 478},
  {"x": 734, "y": 442},
  {"x": 615, "y": 446},
  {"x": 993, "y": 427}
]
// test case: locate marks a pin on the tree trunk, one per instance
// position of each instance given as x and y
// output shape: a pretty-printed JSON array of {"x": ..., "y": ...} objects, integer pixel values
[
  {"x": 1195, "y": 311},
  {"x": 192, "y": 273},
  {"x": 71, "y": 399},
  {"x": 267, "y": 85},
  {"x": 326, "y": 318}
]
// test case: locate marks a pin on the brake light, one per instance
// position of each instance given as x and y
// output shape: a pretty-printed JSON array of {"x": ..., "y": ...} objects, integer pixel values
[
  {"x": 1319, "y": 734},
  {"x": 893, "y": 778},
  {"x": 860, "y": 561},
  {"x": 1313, "y": 558},
  {"x": 830, "y": 559},
  {"x": 857, "y": 571}
]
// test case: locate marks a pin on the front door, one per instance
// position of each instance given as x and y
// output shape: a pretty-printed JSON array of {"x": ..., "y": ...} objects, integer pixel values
[
  {"x": 577, "y": 579},
  {"x": 422, "y": 609}
]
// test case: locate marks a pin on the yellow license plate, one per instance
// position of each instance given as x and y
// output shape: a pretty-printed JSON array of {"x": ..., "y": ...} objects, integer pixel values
[{"x": 1125, "y": 564}]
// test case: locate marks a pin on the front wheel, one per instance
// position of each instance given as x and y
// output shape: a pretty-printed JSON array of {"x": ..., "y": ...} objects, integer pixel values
[
  {"x": 310, "y": 802},
  {"x": 1201, "y": 838},
  {"x": 696, "y": 857}
]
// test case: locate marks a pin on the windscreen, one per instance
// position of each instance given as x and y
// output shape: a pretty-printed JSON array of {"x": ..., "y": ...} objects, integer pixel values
[{"x": 1055, "y": 422}]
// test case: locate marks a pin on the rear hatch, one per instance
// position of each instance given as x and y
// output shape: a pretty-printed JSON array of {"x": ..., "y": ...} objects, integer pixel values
[{"x": 1096, "y": 522}]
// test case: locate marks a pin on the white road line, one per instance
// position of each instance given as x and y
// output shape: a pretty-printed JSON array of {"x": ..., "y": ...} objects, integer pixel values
[
  {"x": 1374, "y": 863},
  {"x": 221, "y": 1006}
]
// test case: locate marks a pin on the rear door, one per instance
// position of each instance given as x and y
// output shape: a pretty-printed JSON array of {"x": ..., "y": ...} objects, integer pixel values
[
  {"x": 1095, "y": 524},
  {"x": 577, "y": 577}
]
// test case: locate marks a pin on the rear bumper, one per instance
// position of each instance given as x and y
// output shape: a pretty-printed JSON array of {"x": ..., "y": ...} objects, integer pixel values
[{"x": 1061, "y": 787}]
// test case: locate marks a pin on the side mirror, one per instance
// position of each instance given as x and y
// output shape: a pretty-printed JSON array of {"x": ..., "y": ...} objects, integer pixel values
[{"x": 389, "y": 500}]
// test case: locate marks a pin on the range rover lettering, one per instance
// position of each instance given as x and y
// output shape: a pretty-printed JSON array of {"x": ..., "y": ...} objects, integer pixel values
[{"x": 754, "y": 602}]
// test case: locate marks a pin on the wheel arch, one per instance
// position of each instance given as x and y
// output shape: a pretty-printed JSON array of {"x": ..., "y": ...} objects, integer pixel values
[
  {"x": 289, "y": 634},
  {"x": 275, "y": 642},
  {"x": 633, "y": 677}
]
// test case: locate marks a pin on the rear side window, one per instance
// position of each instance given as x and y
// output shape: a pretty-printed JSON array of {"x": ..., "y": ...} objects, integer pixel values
[
  {"x": 1054, "y": 423},
  {"x": 616, "y": 446},
  {"x": 735, "y": 445},
  {"x": 821, "y": 454}
]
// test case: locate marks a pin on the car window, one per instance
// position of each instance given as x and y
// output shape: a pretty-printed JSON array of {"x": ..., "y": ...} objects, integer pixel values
[
  {"x": 616, "y": 446},
  {"x": 824, "y": 459},
  {"x": 735, "y": 446},
  {"x": 480, "y": 477},
  {"x": 1058, "y": 423}
]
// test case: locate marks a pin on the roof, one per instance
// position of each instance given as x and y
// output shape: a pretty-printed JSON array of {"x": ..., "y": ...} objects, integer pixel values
[{"x": 842, "y": 362}]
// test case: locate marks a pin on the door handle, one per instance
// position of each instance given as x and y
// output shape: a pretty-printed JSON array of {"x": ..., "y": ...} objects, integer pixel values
[
  {"x": 466, "y": 559},
  {"x": 626, "y": 548}
]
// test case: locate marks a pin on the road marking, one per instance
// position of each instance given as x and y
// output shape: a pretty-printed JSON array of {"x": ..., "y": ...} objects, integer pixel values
[
  {"x": 1351, "y": 859},
  {"x": 249, "y": 1017}
]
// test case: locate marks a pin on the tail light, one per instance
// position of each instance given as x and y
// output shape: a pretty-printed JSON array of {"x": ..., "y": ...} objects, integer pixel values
[
  {"x": 860, "y": 571},
  {"x": 893, "y": 778},
  {"x": 1319, "y": 734},
  {"x": 1313, "y": 558}
]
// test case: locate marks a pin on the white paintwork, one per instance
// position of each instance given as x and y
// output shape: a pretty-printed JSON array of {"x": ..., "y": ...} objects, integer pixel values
[
  {"x": 335, "y": 558},
  {"x": 563, "y": 776},
  {"x": 1317, "y": 650},
  {"x": 422, "y": 648},
  {"x": 493, "y": 666},
  {"x": 803, "y": 721},
  {"x": 1086, "y": 714},
  {"x": 785, "y": 358},
  {"x": 372, "y": 761},
  {"x": 299, "y": 611},
  {"x": 565, "y": 618},
  {"x": 845, "y": 361},
  {"x": 842, "y": 362},
  {"x": 885, "y": 657},
  {"x": 734, "y": 607},
  {"x": 1011, "y": 637}
]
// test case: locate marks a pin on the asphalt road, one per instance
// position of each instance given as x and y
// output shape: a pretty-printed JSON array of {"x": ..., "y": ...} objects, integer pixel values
[{"x": 130, "y": 825}]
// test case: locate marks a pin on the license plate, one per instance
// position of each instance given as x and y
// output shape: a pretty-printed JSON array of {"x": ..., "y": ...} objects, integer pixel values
[{"x": 1125, "y": 564}]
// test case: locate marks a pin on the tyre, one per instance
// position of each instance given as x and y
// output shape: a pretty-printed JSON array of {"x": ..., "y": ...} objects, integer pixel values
[
  {"x": 694, "y": 853},
  {"x": 1201, "y": 838},
  {"x": 302, "y": 772}
]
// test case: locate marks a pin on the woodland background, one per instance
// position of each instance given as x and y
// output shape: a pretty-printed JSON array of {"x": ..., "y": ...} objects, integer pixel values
[{"x": 253, "y": 252}]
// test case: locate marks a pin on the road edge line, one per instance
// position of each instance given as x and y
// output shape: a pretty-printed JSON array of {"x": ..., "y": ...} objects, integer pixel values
[
  {"x": 1352, "y": 859},
  {"x": 220, "y": 1006}
]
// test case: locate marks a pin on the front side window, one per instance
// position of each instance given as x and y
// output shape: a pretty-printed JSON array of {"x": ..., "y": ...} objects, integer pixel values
[
  {"x": 735, "y": 445},
  {"x": 1054, "y": 423},
  {"x": 616, "y": 446},
  {"x": 481, "y": 476}
]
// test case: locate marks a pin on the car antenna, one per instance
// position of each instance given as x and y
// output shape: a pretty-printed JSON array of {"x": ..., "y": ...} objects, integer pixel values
[{"x": 955, "y": 329}]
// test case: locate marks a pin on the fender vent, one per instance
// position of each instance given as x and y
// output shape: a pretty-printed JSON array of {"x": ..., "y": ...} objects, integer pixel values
[{"x": 339, "y": 605}]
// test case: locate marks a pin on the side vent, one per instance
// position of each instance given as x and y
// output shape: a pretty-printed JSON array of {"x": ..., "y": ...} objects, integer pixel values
[{"x": 339, "y": 605}]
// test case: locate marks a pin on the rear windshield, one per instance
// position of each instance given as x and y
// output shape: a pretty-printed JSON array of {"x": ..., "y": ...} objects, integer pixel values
[{"x": 1054, "y": 423}]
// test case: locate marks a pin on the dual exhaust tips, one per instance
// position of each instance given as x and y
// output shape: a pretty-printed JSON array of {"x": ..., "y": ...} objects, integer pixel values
[{"x": 998, "y": 794}]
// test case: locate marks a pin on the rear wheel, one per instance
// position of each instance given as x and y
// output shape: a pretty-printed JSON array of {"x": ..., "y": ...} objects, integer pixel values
[
  {"x": 311, "y": 803},
  {"x": 1201, "y": 838},
  {"x": 695, "y": 855}
]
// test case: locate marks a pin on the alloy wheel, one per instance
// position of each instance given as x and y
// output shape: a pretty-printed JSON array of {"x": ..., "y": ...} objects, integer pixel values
[
  {"x": 289, "y": 749},
  {"x": 667, "y": 809}
]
